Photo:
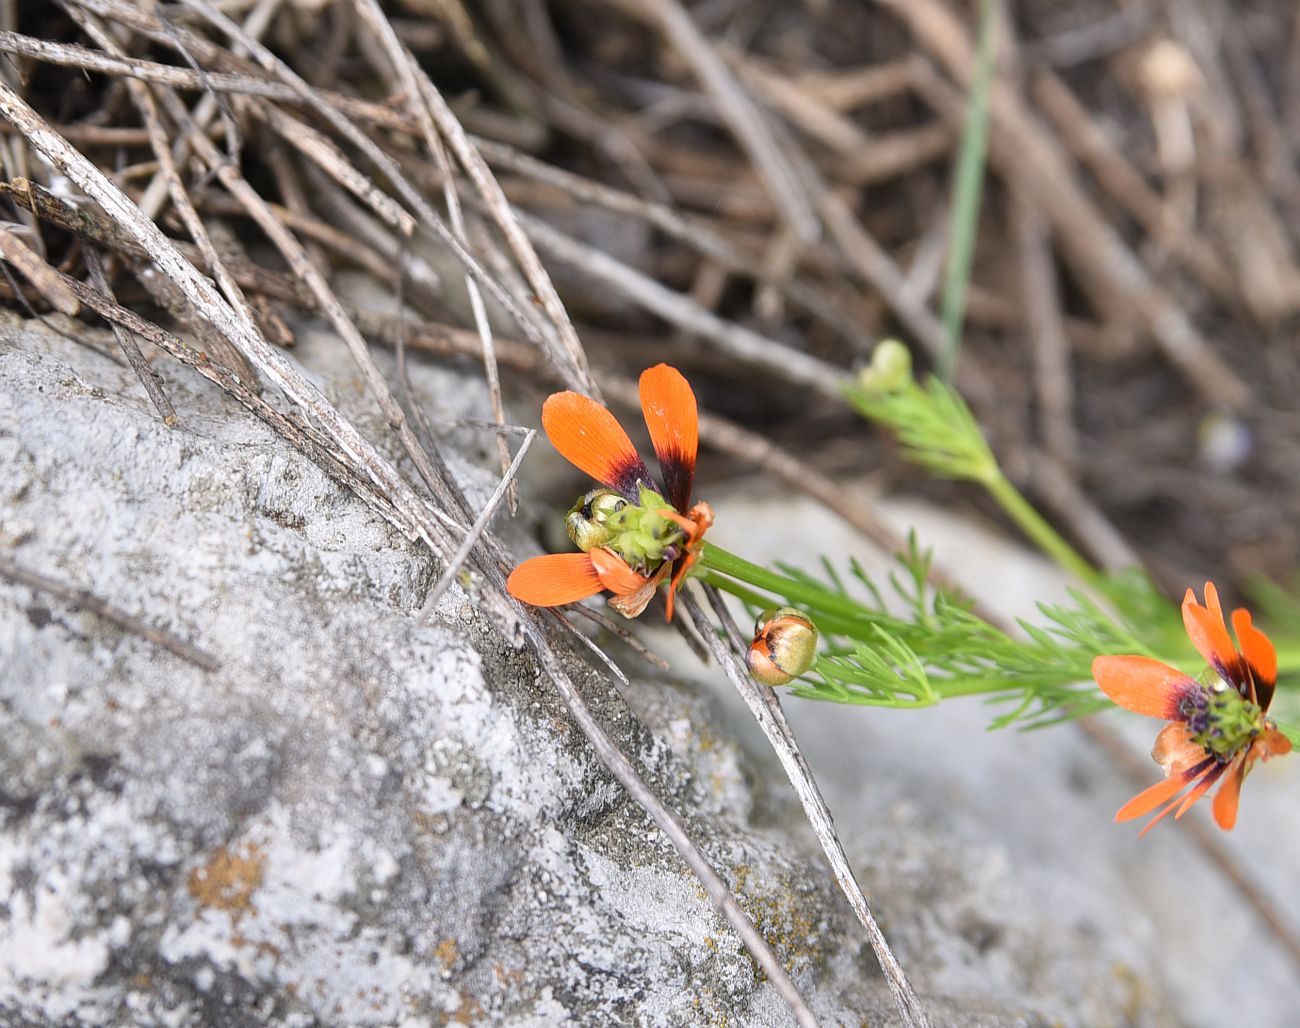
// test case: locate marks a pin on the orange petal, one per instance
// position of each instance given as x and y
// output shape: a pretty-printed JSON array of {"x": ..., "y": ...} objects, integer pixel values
[
  {"x": 1202, "y": 787},
  {"x": 1158, "y": 818},
  {"x": 1174, "y": 749},
  {"x": 1148, "y": 799},
  {"x": 699, "y": 521},
  {"x": 1261, "y": 658},
  {"x": 1143, "y": 685},
  {"x": 554, "y": 580},
  {"x": 1272, "y": 744},
  {"x": 631, "y": 604},
  {"x": 679, "y": 572},
  {"x": 1208, "y": 633},
  {"x": 1225, "y": 800},
  {"x": 614, "y": 573},
  {"x": 670, "y": 413},
  {"x": 590, "y": 438}
]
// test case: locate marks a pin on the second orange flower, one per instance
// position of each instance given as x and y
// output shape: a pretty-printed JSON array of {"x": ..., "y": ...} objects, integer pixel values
[{"x": 1218, "y": 726}]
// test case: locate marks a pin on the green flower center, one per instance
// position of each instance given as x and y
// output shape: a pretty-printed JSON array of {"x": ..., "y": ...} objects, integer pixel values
[
  {"x": 641, "y": 533},
  {"x": 1223, "y": 721}
]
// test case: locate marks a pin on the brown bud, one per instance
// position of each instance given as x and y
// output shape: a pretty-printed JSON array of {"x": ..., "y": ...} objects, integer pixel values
[{"x": 784, "y": 646}]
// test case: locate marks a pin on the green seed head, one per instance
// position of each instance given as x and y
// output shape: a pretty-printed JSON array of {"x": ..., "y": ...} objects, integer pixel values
[
  {"x": 641, "y": 533},
  {"x": 1223, "y": 721}
]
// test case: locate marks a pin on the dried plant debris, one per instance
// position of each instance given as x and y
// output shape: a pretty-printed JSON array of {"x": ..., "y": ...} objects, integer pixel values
[{"x": 768, "y": 183}]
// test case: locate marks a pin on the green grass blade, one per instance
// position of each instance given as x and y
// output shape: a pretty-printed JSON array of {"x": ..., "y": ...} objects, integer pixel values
[{"x": 968, "y": 187}]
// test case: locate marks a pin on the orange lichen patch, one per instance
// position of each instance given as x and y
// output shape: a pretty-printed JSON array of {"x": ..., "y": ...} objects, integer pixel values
[
  {"x": 447, "y": 953},
  {"x": 469, "y": 1011},
  {"x": 229, "y": 879}
]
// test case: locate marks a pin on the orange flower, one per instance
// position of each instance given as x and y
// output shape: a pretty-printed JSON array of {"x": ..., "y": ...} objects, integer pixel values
[
  {"x": 1218, "y": 727},
  {"x": 657, "y": 534}
]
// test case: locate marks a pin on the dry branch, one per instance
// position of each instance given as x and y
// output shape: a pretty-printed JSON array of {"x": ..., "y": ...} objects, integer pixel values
[{"x": 77, "y": 597}]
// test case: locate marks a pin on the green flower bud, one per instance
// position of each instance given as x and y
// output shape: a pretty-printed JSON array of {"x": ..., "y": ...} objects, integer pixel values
[
  {"x": 784, "y": 646},
  {"x": 890, "y": 370},
  {"x": 588, "y": 520}
]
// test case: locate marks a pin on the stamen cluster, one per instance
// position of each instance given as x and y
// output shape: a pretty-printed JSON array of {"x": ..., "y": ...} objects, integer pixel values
[{"x": 1221, "y": 720}]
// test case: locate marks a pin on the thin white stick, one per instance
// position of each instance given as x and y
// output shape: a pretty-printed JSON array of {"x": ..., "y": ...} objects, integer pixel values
[
  {"x": 480, "y": 523},
  {"x": 420, "y": 101},
  {"x": 788, "y": 365},
  {"x": 764, "y": 705},
  {"x": 489, "y": 188}
]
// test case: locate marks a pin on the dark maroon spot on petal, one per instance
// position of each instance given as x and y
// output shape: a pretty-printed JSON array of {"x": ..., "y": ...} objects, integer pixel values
[
  {"x": 679, "y": 474},
  {"x": 1236, "y": 672},
  {"x": 626, "y": 479},
  {"x": 1263, "y": 687}
]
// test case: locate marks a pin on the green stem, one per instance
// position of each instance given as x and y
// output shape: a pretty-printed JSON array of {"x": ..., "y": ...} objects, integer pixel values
[
  {"x": 827, "y": 623},
  {"x": 832, "y": 625},
  {"x": 715, "y": 558},
  {"x": 967, "y": 187},
  {"x": 1032, "y": 524}
]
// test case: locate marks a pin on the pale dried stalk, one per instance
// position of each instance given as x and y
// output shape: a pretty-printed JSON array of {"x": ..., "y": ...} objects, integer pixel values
[
  {"x": 420, "y": 101},
  {"x": 33, "y": 267},
  {"x": 149, "y": 378},
  {"x": 325, "y": 155},
  {"x": 1125, "y": 185},
  {"x": 77, "y": 597},
  {"x": 695, "y": 234},
  {"x": 74, "y": 56},
  {"x": 304, "y": 93},
  {"x": 766, "y": 708},
  {"x": 745, "y": 119},
  {"x": 627, "y": 638},
  {"x": 296, "y": 208},
  {"x": 1032, "y": 161},
  {"x": 1044, "y": 328},
  {"x": 487, "y": 186},
  {"x": 775, "y": 358},
  {"x": 257, "y": 22},
  {"x": 477, "y": 529}
]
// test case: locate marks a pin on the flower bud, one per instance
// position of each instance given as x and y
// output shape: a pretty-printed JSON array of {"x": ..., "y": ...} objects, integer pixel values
[
  {"x": 784, "y": 646},
  {"x": 587, "y": 521},
  {"x": 890, "y": 370}
]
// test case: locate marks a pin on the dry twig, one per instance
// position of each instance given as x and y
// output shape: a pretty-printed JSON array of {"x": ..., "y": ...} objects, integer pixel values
[
  {"x": 149, "y": 378},
  {"x": 78, "y": 597},
  {"x": 766, "y": 708}
]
